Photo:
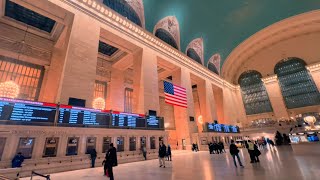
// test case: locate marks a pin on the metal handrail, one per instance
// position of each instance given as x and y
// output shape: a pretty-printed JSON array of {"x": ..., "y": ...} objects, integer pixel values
[{"x": 38, "y": 174}]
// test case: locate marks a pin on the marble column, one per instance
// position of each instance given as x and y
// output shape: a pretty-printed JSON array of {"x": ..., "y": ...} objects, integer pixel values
[
  {"x": 145, "y": 82},
  {"x": 116, "y": 100},
  {"x": 207, "y": 102},
  {"x": 275, "y": 97},
  {"x": 184, "y": 128},
  {"x": 79, "y": 70}
]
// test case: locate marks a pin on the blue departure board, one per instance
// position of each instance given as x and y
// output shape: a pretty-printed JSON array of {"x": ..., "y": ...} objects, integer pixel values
[
  {"x": 83, "y": 116},
  {"x": 152, "y": 122},
  {"x": 212, "y": 127},
  {"x": 127, "y": 120},
  {"x": 26, "y": 111}
]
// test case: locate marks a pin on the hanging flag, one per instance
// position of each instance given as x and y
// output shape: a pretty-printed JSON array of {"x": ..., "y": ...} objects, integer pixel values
[{"x": 175, "y": 95}]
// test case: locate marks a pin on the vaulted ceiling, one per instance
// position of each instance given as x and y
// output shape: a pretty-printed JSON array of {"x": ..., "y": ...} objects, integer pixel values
[{"x": 223, "y": 25}]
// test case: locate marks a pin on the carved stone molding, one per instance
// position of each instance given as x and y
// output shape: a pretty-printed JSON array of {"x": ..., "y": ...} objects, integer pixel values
[
  {"x": 197, "y": 45},
  {"x": 170, "y": 24}
]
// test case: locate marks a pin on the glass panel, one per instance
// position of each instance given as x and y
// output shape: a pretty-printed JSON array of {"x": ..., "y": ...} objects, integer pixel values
[
  {"x": 143, "y": 142},
  {"x": 91, "y": 144},
  {"x": 132, "y": 143},
  {"x": 106, "y": 144},
  {"x": 120, "y": 144},
  {"x": 297, "y": 86},
  {"x": 26, "y": 147},
  {"x": 100, "y": 89},
  {"x": 2, "y": 145},
  {"x": 72, "y": 146},
  {"x": 50, "y": 147},
  {"x": 254, "y": 94},
  {"x": 27, "y": 76},
  {"x": 128, "y": 100},
  {"x": 166, "y": 37},
  {"x": 193, "y": 55},
  {"x": 152, "y": 143}
]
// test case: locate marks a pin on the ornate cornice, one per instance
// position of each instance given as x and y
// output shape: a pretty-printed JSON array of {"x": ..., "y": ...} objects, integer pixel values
[
  {"x": 314, "y": 67},
  {"x": 111, "y": 18}
]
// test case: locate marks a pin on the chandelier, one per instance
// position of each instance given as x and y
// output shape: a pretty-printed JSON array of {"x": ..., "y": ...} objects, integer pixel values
[
  {"x": 99, "y": 103},
  {"x": 9, "y": 89}
]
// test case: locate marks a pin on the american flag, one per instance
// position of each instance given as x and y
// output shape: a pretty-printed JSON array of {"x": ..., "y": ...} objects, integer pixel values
[{"x": 175, "y": 95}]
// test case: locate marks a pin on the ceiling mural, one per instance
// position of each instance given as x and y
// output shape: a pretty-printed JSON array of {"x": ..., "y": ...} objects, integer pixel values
[
  {"x": 197, "y": 45},
  {"x": 223, "y": 25},
  {"x": 170, "y": 24}
]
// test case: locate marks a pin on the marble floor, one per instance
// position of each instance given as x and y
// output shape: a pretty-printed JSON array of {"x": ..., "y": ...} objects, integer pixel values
[{"x": 275, "y": 164}]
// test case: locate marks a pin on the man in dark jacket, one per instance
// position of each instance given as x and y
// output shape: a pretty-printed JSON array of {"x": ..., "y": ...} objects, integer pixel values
[
  {"x": 111, "y": 160},
  {"x": 234, "y": 151},
  {"x": 162, "y": 154},
  {"x": 93, "y": 156}
]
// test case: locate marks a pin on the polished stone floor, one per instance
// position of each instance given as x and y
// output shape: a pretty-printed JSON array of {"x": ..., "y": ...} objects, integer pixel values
[{"x": 275, "y": 164}]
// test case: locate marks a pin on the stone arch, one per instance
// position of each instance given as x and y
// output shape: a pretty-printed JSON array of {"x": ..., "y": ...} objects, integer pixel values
[{"x": 170, "y": 25}]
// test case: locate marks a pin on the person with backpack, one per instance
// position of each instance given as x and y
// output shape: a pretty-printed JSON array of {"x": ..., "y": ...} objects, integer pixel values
[{"x": 234, "y": 151}]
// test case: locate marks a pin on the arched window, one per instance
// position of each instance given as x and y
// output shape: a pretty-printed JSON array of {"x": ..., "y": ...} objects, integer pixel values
[
  {"x": 123, "y": 8},
  {"x": 254, "y": 94},
  {"x": 194, "y": 55},
  {"x": 297, "y": 87},
  {"x": 166, "y": 37},
  {"x": 212, "y": 68}
]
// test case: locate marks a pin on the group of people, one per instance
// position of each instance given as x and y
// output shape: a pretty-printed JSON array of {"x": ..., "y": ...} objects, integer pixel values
[
  {"x": 216, "y": 148},
  {"x": 108, "y": 163},
  {"x": 253, "y": 151}
]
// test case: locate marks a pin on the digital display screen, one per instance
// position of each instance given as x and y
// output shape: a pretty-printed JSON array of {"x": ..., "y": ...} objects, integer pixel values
[
  {"x": 26, "y": 111},
  {"x": 212, "y": 127},
  {"x": 83, "y": 116},
  {"x": 152, "y": 122},
  {"x": 127, "y": 120}
]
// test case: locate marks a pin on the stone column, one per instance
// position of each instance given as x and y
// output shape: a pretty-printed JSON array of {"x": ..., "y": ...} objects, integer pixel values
[
  {"x": 62, "y": 146},
  {"x": 145, "y": 82},
  {"x": 79, "y": 70},
  {"x": 207, "y": 102},
  {"x": 314, "y": 71},
  {"x": 184, "y": 128},
  {"x": 275, "y": 97},
  {"x": 116, "y": 100},
  {"x": 38, "y": 147}
]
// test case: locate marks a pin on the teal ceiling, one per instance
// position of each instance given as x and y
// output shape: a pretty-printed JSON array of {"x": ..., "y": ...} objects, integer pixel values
[{"x": 223, "y": 24}]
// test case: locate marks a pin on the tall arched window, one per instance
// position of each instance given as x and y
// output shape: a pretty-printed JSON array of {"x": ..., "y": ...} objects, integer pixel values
[
  {"x": 254, "y": 94},
  {"x": 166, "y": 37},
  {"x": 213, "y": 68},
  {"x": 297, "y": 87},
  {"x": 194, "y": 55},
  {"x": 123, "y": 8}
]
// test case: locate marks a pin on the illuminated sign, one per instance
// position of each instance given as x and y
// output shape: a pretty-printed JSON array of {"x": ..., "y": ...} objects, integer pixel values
[{"x": 212, "y": 127}]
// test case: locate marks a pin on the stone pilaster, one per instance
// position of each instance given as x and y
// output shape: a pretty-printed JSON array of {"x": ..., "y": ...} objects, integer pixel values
[
  {"x": 207, "y": 102},
  {"x": 116, "y": 99}
]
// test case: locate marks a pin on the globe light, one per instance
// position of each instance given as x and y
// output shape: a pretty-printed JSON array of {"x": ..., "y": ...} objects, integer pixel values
[
  {"x": 310, "y": 120},
  {"x": 9, "y": 89},
  {"x": 99, "y": 103}
]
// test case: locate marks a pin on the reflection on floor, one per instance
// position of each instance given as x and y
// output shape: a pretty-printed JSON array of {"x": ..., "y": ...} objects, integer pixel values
[{"x": 275, "y": 164}]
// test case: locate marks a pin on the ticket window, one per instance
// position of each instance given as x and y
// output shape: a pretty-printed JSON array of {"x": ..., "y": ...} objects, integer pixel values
[
  {"x": 25, "y": 147},
  {"x": 152, "y": 143},
  {"x": 143, "y": 141},
  {"x": 120, "y": 144},
  {"x": 106, "y": 144},
  {"x": 132, "y": 144},
  {"x": 91, "y": 144},
  {"x": 72, "y": 146},
  {"x": 2, "y": 144},
  {"x": 50, "y": 147}
]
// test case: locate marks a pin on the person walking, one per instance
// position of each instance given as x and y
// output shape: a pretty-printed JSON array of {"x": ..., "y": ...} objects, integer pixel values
[
  {"x": 169, "y": 153},
  {"x": 162, "y": 154},
  {"x": 93, "y": 156},
  {"x": 234, "y": 151},
  {"x": 144, "y": 152},
  {"x": 250, "y": 147},
  {"x": 257, "y": 153},
  {"x": 111, "y": 160}
]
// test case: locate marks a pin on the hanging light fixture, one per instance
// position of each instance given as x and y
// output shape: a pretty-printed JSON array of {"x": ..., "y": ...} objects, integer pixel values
[
  {"x": 9, "y": 89},
  {"x": 99, "y": 103}
]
